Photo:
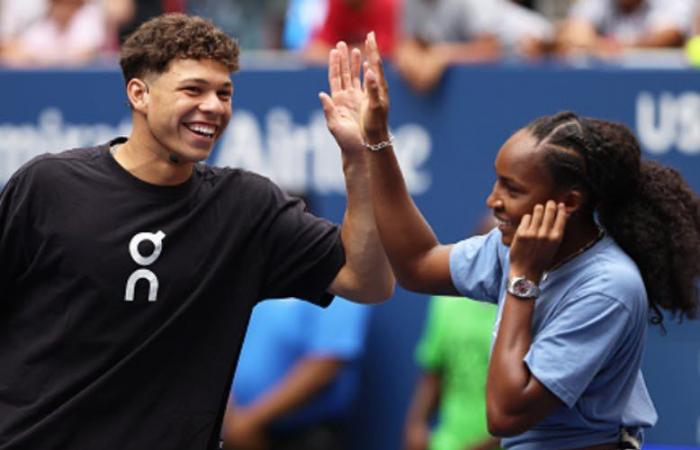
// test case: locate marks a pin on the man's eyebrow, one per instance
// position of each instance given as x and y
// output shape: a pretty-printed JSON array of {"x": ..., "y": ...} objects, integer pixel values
[{"x": 203, "y": 81}]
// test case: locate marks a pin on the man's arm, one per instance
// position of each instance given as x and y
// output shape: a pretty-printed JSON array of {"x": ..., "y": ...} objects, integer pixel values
[
  {"x": 422, "y": 65},
  {"x": 669, "y": 36},
  {"x": 366, "y": 275}
]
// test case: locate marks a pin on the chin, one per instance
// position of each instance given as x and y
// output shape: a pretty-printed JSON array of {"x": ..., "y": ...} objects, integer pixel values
[
  {"x": 506, "y": 240},
  {"x": 195, "y": 155}
]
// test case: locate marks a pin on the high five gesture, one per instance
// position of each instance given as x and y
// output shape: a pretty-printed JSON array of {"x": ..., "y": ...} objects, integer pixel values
[{"x": 356, "y": 112}]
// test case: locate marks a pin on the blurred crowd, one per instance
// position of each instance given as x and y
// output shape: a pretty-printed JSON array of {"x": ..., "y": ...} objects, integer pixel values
[{"x": 422, "y": 36}]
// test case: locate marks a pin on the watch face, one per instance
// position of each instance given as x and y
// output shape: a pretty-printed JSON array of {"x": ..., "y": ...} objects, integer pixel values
[{"x": 522, "y": 287}]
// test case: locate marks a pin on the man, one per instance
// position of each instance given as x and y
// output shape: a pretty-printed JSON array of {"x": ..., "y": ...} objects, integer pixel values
[
  {"x": 440, "y": 33},
  {"x": 130, "y": 270},
  {"x": 350, "y": 21},
  {"x": 607, "y": 27}
]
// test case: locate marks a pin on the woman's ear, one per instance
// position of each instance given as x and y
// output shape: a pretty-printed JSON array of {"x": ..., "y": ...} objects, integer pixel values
[
  {"x": 574, "y": 199},
  {"x": 137, "y": 92}
]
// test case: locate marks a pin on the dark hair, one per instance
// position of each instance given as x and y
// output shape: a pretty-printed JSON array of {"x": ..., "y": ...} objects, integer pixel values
[
  {"x": 648, "y": 208},
  {"x": 158, "y": 41}
]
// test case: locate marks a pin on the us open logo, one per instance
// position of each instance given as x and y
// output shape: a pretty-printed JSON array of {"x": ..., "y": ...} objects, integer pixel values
[{"x": 144, "y": 274}]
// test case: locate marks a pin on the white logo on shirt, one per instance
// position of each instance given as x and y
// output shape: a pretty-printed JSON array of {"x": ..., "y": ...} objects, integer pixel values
[{"x": 157, "y": 240}]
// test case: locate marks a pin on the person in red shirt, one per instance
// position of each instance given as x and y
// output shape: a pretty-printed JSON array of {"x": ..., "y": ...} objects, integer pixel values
[{"x": 350, "y": 21}]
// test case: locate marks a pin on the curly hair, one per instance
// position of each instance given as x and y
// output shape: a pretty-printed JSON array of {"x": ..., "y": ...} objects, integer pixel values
[
  {"x": 648, "y": 208},
  {"x": 158, "y": 41}
]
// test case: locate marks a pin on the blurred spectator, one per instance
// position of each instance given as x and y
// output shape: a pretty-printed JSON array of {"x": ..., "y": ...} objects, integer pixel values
[
  {"x": 303, "y": 17},
  {"x": 552, "y": 9},
  {"x": 454, "y": 355},
  {"x": 256, "y": 24},
  {"x": 16, "y": 16},
  {"x": 439, "y": 33},
  {"x": 350, "y": 21},
  {"x": 136, "y": 12},
  {"x": 118, "y": 14},
  {"x": 606, "y": 27},
  {"x": 296, "y": 377},
  {"x": 524, "y": 33},
  {"x": 70, "y": 32}
]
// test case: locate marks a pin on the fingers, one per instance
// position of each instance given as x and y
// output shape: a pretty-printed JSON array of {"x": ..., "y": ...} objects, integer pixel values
[
  {"x": 560, "y": 222},
  {"x": 546, "y": 222},
  {"x": 355, "y": 68},
  {"x": 550, "y": 212},
  {"x": 328, "y": 105},
  {"x": 334, "y": 81},
  {"x": 524, "y": 224},
  {"x": 345, "y": 74},
  {"x": 372, "y": 87},
  {"x": 375, "y": 60},
  {"x": 536, "y": 222}
]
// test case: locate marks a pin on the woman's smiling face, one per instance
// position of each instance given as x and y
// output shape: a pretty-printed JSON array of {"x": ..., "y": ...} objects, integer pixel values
[{"x": 522, "y": 181}]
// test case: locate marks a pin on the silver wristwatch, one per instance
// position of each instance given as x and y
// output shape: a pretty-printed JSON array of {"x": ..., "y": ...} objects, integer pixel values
[{"x": 521, "y": 287}]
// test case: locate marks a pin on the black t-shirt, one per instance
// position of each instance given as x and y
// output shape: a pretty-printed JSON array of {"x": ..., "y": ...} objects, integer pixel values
[{"x": 123, "y": 305}]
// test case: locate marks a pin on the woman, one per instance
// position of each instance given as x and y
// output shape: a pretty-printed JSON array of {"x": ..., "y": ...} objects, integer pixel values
[{"x": 590, "y": 238}]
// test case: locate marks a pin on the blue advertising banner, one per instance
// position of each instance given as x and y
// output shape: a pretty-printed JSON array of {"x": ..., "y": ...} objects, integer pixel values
[{"x": 446, "y": 143}]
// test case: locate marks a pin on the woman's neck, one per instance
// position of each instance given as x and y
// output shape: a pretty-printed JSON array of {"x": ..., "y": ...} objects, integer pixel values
[{"x": 579, "y": 236}]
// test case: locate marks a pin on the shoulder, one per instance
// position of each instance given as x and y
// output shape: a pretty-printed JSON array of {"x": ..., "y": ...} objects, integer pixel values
[
  {"x": 685, "y": 6},
  {"x": 240, "y": 182},
  {"x": 590, "y": 9},
  {"x": 259, "y": 196},
  {"x": 671, "y": 12},
  {"x": 489, "y": 244},
  {"x": 50, "y": 166},
  {"x": 610, "y": 273},
  {"x": 234, "y": 175}
]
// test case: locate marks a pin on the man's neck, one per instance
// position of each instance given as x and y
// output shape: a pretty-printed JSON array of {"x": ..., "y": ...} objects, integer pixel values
[{"x": 151, "y": 163}]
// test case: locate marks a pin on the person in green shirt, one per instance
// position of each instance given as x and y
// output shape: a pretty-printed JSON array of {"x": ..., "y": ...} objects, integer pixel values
[{"x": 454, "y": 355}]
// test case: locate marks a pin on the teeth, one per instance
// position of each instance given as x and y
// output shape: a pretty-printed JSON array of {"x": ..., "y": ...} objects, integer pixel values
[
  {"x": 204, "y": 130},
  {"x": 500, "y": 222}
]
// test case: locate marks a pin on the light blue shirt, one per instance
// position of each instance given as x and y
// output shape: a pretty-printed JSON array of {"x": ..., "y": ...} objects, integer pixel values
[
  {"x": 281, "y": 332},
  {"x": 589, "y": 329}
]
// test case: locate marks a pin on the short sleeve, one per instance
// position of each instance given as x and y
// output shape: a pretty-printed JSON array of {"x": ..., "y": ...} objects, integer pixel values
[
  {"x": 303, "y": 253},
  {"x": 339, "y": 330},
  {"x": 428, "y": 354},
  {"x": 593, "y": 11},
  {"x": 13, "y": 222},
  {"x": 676, "y": 14},
  {"x": 483, "y": 17},
  {"x": 568, "y": 352},
  {"x": 476, "y": 266}
]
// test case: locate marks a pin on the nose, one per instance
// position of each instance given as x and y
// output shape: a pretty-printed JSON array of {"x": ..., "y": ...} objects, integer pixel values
[
  {"x": 211, "y": 103},
  {"x": 493, "y": 201}
]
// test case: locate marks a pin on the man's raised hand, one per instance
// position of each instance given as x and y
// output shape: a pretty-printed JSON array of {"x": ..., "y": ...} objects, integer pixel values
[{"x": 343, "y": 106}]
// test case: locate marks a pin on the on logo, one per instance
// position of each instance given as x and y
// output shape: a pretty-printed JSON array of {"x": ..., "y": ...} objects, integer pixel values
[{"x": 157, "y": 240}]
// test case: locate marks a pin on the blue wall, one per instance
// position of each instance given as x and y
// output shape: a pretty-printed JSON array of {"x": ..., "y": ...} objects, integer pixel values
[{"x": 447, "y": 142}]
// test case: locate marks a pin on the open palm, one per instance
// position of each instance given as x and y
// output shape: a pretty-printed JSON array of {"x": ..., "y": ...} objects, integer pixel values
[{"x": 343, "y": 108}]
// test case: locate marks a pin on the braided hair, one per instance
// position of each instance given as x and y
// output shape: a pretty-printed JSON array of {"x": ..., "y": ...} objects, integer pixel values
[{"x": 648, "y": 208}]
